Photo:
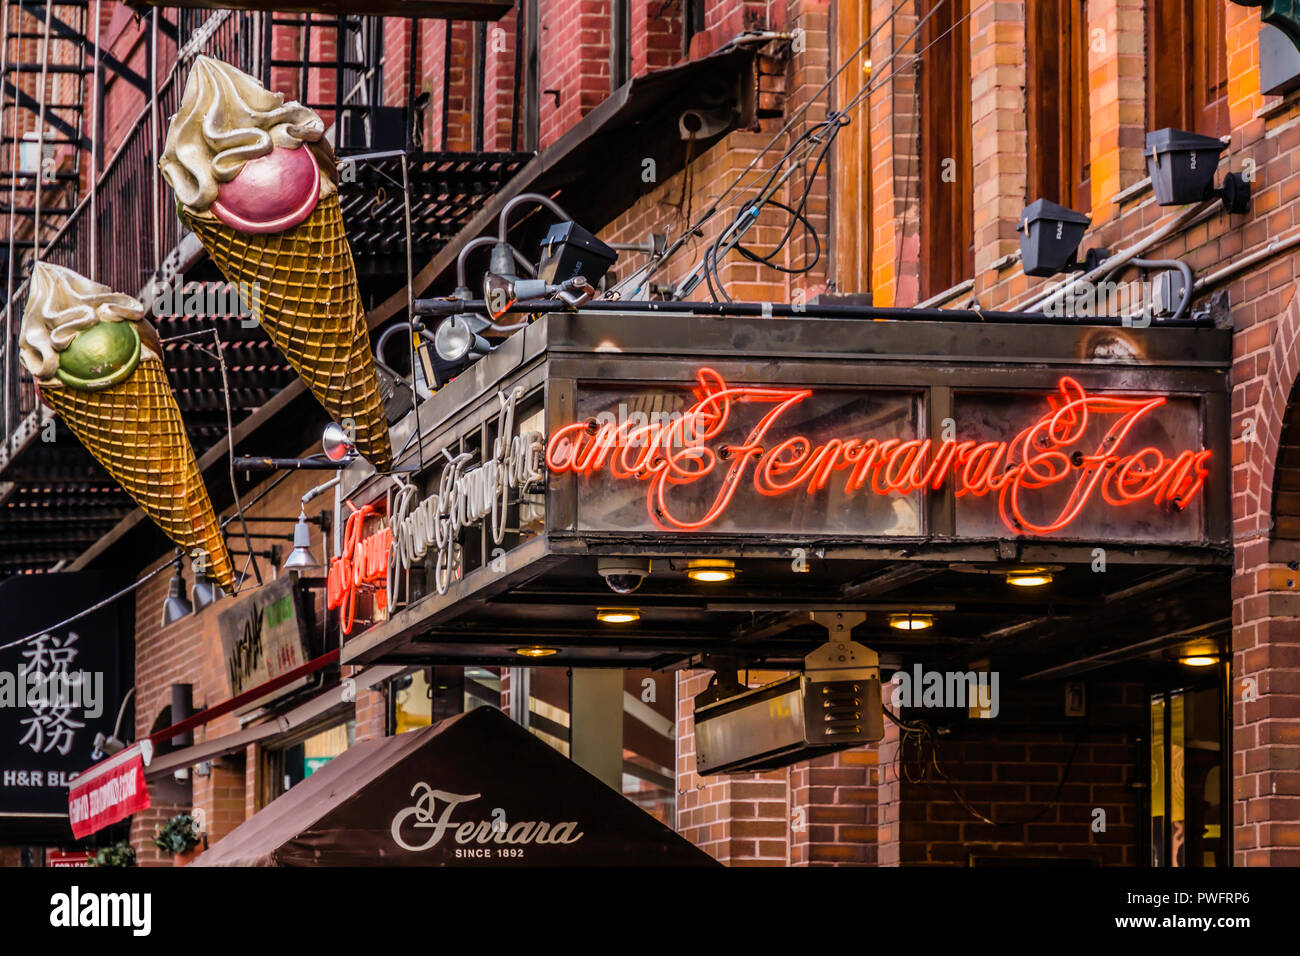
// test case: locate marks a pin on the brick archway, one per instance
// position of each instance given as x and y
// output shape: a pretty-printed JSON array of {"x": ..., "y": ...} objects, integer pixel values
[{"x": 1265, "y": 684}]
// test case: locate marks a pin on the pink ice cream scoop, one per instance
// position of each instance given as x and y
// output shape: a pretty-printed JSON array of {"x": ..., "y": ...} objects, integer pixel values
[{"x": 271, "y": 193}]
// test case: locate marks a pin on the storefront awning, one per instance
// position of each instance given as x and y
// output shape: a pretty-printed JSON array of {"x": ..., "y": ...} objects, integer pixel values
[{"x": 473, "y": 790}]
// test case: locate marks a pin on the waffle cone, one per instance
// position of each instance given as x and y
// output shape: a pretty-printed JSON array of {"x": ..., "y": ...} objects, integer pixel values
[
  {"x": 305, "y": 288},
  {"x": 134, "y": 430}
]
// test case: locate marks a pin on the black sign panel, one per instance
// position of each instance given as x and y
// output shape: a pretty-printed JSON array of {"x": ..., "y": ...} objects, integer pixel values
[{"x": 60, "y": 689}]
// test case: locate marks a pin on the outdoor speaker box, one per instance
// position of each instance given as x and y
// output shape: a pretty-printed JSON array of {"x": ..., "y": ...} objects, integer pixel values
[
  {"x": 1182, "y": 165},
  {"x": 1049, "y": 237},
  {"x": 835, "y": 704},
  {"x": 569, "y": 250}
]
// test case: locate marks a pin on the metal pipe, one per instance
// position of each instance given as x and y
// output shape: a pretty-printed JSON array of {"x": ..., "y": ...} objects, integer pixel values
[
  {"x": 439, "y": 307},
  {"x": 94, "y": 153},
  {"x": 1184, "y": 219},
  {"x": 252, "y": 463},
  {"x": 538, "y": 198},
  {"x": 1280, "y": 244},
  {"x": 40, "y": 135},
  {"x": 153, "y": 144}
]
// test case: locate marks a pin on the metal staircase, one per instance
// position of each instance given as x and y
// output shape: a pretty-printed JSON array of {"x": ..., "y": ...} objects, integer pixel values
[{"x": 45, "y": 64}]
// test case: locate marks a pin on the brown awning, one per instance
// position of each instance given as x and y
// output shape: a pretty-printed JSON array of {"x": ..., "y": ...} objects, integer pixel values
[{"x": 473, "y": 790}]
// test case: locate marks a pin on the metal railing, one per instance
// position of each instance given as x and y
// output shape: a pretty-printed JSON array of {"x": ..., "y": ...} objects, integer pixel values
[
  {"x": 124, "y": 231},
  {"x": 123, "y": 228}
]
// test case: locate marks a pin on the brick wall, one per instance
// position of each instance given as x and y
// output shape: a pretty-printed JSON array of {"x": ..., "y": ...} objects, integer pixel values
[
  {"x": 574, "y": 57},
  {"x": 819, "y": 812},
  {"x": 1264, "y": 131},
  {"x": 1039, "y": 777},
  {"x": 189, "y": 651}
]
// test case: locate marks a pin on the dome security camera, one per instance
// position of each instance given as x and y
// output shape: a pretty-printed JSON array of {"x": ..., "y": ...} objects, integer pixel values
[{"x": 623, "y": 575}]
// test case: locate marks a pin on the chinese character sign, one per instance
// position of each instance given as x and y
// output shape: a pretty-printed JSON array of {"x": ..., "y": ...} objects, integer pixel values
[{"x": 60, "y": 686}]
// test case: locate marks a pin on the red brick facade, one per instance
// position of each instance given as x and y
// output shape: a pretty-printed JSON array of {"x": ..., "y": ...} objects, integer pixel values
[{"x": 857, "y": 807}]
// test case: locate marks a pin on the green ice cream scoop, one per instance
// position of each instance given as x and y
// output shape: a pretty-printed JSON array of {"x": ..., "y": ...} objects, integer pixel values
[{"x": 100, "y": 356}]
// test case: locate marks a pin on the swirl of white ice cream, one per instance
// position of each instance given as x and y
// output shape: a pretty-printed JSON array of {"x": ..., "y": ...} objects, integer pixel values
[
  {"x": 227, "y": 118},
  {"x": 61, "y": 303}
]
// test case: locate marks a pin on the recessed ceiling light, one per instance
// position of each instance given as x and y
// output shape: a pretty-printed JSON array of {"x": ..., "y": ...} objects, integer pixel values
[
  {"x": 911, "y": 622},
  {"x": 1029, "y": 577},
  {"x": 711, "y": 570},
  {"x": 618, "y": 615},
  {"x": 1199, "y": 660},
  {"x": 536, "y": 651}
]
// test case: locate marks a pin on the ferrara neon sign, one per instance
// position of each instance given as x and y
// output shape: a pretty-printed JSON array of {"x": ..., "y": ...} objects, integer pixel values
[{"x": 1079, "y": 451}]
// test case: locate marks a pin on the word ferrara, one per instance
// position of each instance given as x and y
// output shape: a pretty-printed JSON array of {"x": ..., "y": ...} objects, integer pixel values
[
  {"x": 423, "y": 815},
  {"x": 1052, "y": 452},
  {"x": 465, "y": 496}
]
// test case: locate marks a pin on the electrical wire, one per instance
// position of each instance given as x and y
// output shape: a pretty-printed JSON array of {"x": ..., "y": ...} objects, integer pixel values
[
  {"x": 922, "y": 735},
  {"x": 90, "y": 610},
  {"x": 653, "y": 266},
  {"x": 822, "y": 133}
]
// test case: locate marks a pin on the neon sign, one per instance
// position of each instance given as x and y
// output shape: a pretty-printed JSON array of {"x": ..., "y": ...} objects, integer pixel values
[
  {"x": 363, "y": 563},
  {"x": 1051, "y": 453}
]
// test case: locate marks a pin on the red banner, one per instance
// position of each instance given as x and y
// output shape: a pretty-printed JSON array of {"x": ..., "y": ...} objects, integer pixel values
[{"x": 110, "y": 791}]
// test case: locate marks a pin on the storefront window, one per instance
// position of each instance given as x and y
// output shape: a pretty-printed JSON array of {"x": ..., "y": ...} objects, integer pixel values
[
  {"x": 432, "y": 694},
  {"x": 297, "y": 762},
  {"x": 649, "y": 739},
  {"x": 650, "y": 742},
  {"x": 1186, "y": 817},
  {"x": 412, "y": 702}
]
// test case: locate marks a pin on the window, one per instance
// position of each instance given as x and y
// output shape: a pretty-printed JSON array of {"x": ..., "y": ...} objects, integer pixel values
[
  {"x": 1187, "y": 67},
  {"x": 1186, "y": 815},
  {"x": 947, "y": 196},
  {"x": 293, "y": 761},
  {"x": 1059, "y": 131}
]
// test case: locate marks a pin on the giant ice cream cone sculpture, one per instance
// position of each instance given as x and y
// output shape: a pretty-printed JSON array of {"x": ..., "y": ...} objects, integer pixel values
[
  {"x": 98, "y": 363},
  {"x": 246, "y": 168}
]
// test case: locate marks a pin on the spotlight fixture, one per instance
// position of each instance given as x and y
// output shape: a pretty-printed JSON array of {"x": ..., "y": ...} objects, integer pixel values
[
  {"x": 205, "y": 590},
  {"x": 457, "y": 338},
  {"x": 618, "y": 615},
  {"x": 711, "y": 570},
  {"x": 1029, "y": 577},
  {"x": 1198, "y": 660},
  {"x": 336, "y": 443},
  {"x": 536, "y": 651},
  {"x": 1049, "y": 239},
  {"x": 106, "y": 746},
  {"x": 623, "y": 575},
  {"x": 301, "y": 558},
  {"x": 1182, "y": 167},
  {"x": 911, "y": 622},
  {"x": 176, "y": 606}
]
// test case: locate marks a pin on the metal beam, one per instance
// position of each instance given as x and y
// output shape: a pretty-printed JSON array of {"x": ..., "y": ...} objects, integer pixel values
[{"x": 63, "y": 126}]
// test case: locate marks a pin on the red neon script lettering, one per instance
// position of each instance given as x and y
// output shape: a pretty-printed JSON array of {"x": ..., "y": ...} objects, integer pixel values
[
  {"x": 1047, "y": 454},
  {"x": 364, "y": 561}
]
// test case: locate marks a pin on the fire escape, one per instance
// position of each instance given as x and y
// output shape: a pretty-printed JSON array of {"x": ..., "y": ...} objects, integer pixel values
[{"x": 70, "y": 196}]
